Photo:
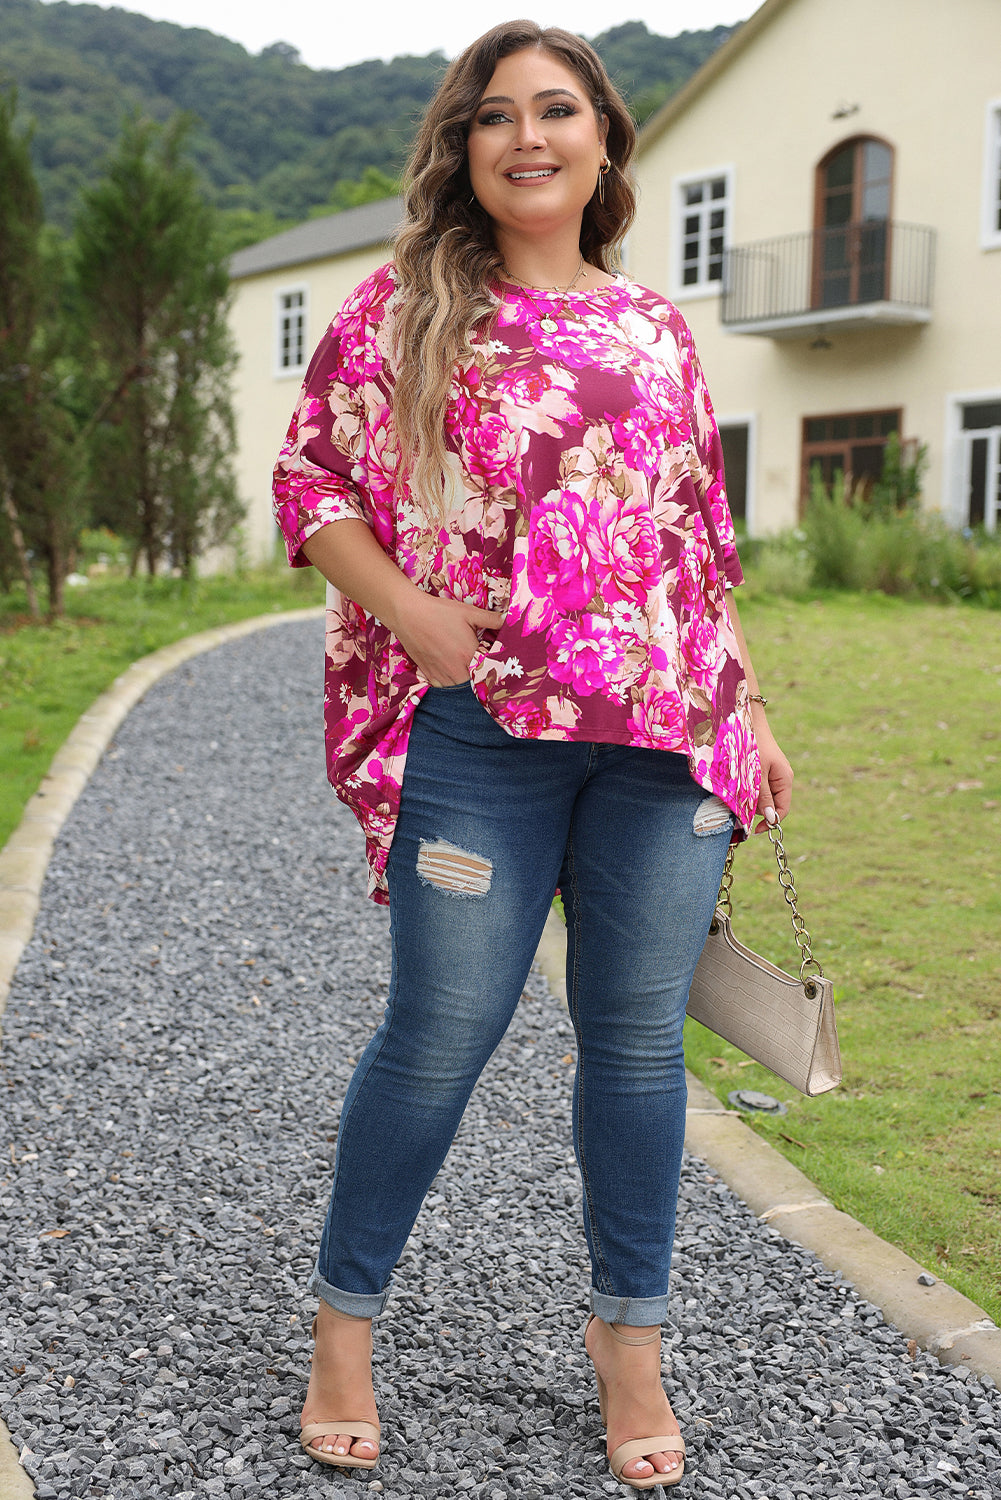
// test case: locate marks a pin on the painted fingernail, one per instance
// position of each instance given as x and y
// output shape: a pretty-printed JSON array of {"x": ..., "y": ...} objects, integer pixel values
[{"x": 770, "y": 817}]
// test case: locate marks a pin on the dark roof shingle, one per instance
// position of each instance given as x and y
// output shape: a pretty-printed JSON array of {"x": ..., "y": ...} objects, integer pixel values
[{"x": 319, "y": 239}]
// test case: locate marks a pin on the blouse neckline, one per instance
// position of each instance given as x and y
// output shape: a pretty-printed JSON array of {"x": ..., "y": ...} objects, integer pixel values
[{"x": 552, "y": 295}]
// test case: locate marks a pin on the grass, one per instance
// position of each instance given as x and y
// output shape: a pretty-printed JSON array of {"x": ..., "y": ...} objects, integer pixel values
[
  {"x": 891, "y": 715},
  {"x": 49, "y": 674}
]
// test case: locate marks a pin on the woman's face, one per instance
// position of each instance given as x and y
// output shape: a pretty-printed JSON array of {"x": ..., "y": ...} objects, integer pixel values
[{"x": 534, "y": 145}]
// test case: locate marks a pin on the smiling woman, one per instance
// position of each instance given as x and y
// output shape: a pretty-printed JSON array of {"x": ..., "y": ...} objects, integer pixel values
[
  {"x": 536, "y": 150},
  {"x": 451, "y": 250},
  {"x": 504, "y": 460}
]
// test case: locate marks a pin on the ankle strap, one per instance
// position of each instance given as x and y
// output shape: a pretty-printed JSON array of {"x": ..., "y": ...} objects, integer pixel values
[{"x": 622, "y": 1338}]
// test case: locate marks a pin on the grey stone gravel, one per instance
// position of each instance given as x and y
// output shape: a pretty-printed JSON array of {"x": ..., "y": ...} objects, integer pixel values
[{"x": 204, "y": 970}]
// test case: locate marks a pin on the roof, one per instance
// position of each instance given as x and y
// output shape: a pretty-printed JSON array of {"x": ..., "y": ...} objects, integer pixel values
[
  {"x": 319, "y": 239},
  {"x": 709, "y": 72}
]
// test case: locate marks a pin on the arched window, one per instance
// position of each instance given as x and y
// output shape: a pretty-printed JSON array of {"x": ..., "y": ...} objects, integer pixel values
[{"x": 852, "y": 241}]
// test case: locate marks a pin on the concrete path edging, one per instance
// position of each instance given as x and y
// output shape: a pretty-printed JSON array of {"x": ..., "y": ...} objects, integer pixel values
[
  {"x": 936, "y": 1317},
  {"x": 25, "y": 857}
]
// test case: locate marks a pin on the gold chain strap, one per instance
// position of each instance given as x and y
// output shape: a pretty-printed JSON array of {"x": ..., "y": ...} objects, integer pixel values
[
  {"x": 788, "y": 885},
  {"x": 724, "y": 901}
]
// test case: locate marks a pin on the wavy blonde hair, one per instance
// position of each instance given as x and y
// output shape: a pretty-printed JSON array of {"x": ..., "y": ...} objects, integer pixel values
[{"x": 446, "y": 259}]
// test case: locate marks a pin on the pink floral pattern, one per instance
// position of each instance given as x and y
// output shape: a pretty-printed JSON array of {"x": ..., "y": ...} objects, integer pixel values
[
  {"x": 587, "y": 501},
  {"x": 586, "y": 652}
]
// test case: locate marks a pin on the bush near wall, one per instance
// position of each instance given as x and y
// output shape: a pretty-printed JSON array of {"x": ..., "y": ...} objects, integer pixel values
[{"x": 875, "y": 539}]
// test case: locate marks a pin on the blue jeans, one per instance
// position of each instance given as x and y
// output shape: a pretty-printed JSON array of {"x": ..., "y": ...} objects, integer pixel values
[{"x": 489, "y": 827}]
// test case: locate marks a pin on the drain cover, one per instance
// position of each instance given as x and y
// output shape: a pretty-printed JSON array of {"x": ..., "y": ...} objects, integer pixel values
[{"x": 755, "y": 1103}]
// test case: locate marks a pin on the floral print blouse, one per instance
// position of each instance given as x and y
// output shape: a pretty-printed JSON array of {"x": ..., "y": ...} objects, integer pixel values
[{"x": 585, "y": 499}]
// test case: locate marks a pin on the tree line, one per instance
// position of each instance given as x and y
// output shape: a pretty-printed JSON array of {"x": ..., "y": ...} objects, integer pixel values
[
  {"x": 271, "y": 136},
  {"x": 115, "y": 360}
]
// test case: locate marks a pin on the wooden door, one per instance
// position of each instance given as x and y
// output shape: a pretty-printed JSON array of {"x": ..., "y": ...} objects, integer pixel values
[{"x": 852, "y": 238}]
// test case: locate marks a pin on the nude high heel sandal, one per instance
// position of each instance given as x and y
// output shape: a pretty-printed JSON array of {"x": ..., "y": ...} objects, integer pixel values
[
  {"x": 639, "y": 1447},
  {"x": 313, "y": 1430}
]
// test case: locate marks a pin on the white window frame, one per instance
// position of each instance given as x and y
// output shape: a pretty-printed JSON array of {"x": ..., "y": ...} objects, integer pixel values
[
  {"x": 959, "y": 447},
  {"x": 990, "y": 204},
  {"x": 301, "y": 288},
  {"x": 704, "y": 288},
  {"x": 749, "y": 420}
]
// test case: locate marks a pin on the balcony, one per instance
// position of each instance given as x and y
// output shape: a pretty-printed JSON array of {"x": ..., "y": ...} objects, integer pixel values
[{"x": 851, "y": 276}]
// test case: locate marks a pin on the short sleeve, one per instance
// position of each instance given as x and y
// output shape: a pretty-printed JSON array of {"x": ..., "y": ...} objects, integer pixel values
[
  {"x": 322, "y": 471},
  {"x": 712, "y": 483}
]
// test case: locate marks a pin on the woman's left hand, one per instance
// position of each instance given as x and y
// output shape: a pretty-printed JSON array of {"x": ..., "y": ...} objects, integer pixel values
[{"x": 776, "y": 779}]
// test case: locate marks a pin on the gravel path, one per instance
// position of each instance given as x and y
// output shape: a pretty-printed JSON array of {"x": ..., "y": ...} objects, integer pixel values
[{"x": 204, "y": 970}]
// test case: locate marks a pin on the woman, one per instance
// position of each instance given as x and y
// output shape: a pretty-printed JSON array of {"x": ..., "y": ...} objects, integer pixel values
[{"x": 505, "y": 462}]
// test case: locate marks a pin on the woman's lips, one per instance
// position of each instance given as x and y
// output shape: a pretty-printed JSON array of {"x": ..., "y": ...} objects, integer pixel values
[{"x": 531, "y": 174}]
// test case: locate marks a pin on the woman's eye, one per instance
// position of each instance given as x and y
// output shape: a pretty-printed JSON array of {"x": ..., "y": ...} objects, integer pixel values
[{"x": 499, "y": 117}]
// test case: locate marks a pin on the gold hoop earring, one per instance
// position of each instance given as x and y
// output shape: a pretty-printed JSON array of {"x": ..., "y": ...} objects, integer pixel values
[{"x": 603, "y": 171}]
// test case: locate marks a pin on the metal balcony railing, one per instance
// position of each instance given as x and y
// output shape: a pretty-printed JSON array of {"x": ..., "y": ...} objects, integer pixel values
[{"x": 877, "y": 272}]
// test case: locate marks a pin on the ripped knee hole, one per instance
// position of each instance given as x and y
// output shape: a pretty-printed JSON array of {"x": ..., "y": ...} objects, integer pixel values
[
  {"x": 452, "y": 869},
  {"x": 711, "y": 816}
]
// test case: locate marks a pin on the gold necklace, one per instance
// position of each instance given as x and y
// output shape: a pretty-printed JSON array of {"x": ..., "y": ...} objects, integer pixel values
[{"x": 547, "y": 321}]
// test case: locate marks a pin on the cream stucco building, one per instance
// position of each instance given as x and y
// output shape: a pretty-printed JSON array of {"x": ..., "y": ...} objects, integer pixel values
[
  {"x": 823, "y": 202},
  {"x": 286, "y": 290}
]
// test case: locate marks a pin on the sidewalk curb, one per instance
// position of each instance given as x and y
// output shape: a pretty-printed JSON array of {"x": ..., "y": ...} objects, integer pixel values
[
  {"x": 25, "y": 857},
  {"x": 937, "y": 1318}
]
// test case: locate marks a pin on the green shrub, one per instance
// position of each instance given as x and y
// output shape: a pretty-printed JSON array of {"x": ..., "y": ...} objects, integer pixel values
[
  {"x": 778, "y": 564},
  {"x": 961, "y": 565},
  {"x": 876, "y": 539},
  {"x": 888, "y": 553},
  {"x": 102, "y": 550},
  {"x": 898, "y": 487},
  {"x": 833, "y": 525}
]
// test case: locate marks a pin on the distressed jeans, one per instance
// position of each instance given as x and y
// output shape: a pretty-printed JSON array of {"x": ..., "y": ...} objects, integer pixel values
[{"x": 489, "y": 827}]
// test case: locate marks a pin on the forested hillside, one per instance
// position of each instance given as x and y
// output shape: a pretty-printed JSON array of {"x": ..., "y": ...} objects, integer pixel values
[{"x": 273, "y": 135}]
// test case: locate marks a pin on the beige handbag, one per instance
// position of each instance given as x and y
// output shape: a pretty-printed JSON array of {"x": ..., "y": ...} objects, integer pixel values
[{"x": 785, "y": 1023}]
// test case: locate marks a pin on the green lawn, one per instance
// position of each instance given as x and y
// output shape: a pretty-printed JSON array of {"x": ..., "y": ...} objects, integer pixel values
[
  {"x": 49, "y": 674},
  {"x": 891, "y": 714}
]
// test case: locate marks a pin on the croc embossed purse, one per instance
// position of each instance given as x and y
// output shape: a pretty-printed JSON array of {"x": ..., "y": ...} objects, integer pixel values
[{"x": 784, "y": 1022}]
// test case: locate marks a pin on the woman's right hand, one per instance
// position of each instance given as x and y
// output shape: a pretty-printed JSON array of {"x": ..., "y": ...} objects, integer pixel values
[{"x": 442, "y": 635}]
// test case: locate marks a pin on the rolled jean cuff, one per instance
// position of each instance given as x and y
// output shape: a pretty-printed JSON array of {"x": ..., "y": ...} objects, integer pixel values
[
  {"x": 635, "y": 1312},
  {"x": 354, "y": 1304}
]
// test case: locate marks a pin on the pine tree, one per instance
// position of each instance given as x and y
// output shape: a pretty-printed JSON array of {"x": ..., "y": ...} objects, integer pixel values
[
  {"x": 153, "y": 285},
  {"x": 40, "y": 476}
]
